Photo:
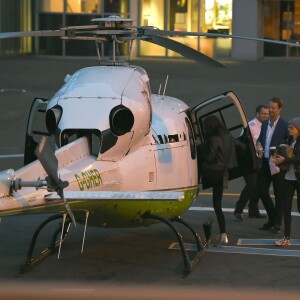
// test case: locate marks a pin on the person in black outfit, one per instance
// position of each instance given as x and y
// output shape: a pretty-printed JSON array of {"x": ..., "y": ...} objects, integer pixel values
[
  {"x": 219, "y": 156},
  {"x": 290, "y": 161},
  {"x": 273, "y": 133}
]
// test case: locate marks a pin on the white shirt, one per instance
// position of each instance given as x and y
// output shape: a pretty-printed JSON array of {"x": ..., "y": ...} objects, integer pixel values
[
  {"x": 269, "y": 135},
  {"x": 255, "y": 128},
  {"x": 273, "y": 168}
]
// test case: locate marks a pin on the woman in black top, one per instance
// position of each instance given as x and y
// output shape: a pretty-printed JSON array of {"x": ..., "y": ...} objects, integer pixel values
[
  {"x": 219, "y": 156},
  {"x": 292, "y": 177}
]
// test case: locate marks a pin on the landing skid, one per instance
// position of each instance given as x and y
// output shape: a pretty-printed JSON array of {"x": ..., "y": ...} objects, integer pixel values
[
  {"x": 200, "y": 250},
  {"x": 54, "y": 245}
]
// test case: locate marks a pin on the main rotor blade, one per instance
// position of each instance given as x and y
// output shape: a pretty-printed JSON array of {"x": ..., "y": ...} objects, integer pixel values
[
  {"x": 184, "y": 50},
  {"x": 158, "y": 32},
  {"x": 45, "y": 152},
  {"x": 41, "y": 33}
]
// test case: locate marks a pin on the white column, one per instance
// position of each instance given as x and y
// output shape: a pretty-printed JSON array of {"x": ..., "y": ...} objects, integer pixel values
[{"x": 247, "y": 21}]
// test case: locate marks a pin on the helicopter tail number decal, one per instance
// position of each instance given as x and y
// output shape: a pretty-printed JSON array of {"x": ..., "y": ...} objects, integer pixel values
[{"x": 88, "y": 179}]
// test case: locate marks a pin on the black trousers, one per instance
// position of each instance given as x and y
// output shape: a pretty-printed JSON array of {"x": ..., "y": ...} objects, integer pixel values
[
  {"x": 291, "y": 187},
  {"x": 298, "y": 197},
  {"x": 250, "y": 193},
  {"x": 216, "y": 178},
  {"x": 264, "y": 180}
]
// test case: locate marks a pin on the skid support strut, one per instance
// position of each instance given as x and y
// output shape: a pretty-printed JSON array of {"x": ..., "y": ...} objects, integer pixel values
[
  {"x": 54, "y": 245},
  {"x": 196, "y": 236},
  {"x": 188, "y": 262}
]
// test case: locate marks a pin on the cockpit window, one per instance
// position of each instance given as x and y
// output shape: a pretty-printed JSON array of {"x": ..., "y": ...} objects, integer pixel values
[{"x": 93, "y": 135}]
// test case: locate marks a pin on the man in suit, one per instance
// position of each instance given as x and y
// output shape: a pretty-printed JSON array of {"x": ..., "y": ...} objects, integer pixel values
[{"x": 273, "y": 133}]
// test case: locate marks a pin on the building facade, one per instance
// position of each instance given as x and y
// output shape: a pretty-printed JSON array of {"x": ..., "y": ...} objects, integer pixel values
[{"x": 272, "y": 19}]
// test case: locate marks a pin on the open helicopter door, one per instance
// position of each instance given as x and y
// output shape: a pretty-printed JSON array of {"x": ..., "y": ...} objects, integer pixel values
[
  {"x": 229, "y": 110},
  {"x": 36, "y": 128}
]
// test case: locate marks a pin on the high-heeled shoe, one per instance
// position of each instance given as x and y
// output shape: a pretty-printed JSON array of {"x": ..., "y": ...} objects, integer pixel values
[{"x": 221, "y": 240}]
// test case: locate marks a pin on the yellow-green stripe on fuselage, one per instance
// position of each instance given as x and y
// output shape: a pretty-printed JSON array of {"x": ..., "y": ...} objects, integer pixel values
[
  {"x": 129, "y": 213},
  {"x": 117, "y": 213}
]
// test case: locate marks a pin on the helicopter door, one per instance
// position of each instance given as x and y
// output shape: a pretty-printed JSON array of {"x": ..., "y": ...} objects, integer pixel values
[
  {"x": 36, "y": 128},
  {"x": 227, "y": 108}
]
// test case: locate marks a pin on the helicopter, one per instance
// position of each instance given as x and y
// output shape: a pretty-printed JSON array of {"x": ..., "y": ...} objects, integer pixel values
[{"x": 105, "y": 151}]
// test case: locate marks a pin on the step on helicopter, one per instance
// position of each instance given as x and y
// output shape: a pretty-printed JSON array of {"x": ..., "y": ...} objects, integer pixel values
[{"x": 130, "y": 159}]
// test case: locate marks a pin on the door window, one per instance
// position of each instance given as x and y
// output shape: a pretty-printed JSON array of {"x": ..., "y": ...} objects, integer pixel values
[
  {"x": 36, "y": 128},
  {"x": 229, "y": 110},
  {"x": 189, "y": 15}
]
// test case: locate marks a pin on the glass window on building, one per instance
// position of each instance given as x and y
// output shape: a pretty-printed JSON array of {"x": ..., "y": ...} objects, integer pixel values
[
  {"x": 217, "y": 18},
  {"x": 119, "y": 7},
  {"x": 15, "y": 15},
  {"x": 189, "y": 15},
  {"x": 281, "y": 22},
  {"x": 152, "y": 14},
  {"x": 184, "y": 16},
  {"x": 72, "y": 6},
  {"x": 105, "y": 7},
  {"x": 51, "y": 6}
]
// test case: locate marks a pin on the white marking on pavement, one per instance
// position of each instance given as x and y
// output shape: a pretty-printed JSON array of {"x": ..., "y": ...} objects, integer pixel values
[
  {"x": 263, "y": 242},
  {"x": 241, "y": 250},
  {"x": 13, "y": 90},
  {"x": 255, "y": 251},
  {"x": 231, "y": 210},
  {"x": 11, "y": 155}
]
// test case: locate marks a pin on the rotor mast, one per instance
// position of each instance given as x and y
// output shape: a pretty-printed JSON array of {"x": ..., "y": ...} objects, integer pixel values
[
  {"x": 114, "y": 24},
  {"x": 110, "y": 30}
]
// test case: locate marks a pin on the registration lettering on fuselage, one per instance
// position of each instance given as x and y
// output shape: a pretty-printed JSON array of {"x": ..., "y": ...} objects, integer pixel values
[{"x": 88, "y": 179}]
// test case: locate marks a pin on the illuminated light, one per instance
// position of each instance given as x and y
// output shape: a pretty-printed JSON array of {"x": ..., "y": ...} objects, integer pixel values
[{"x": 209, "y": 4}]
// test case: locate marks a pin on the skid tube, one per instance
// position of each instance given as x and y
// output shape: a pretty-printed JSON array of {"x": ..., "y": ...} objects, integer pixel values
[
  {"x": 54, "y": 245},
  {"x": 188, "y": 262}
]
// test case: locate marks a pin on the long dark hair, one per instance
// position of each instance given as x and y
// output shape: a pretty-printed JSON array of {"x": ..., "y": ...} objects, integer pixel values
[{"x": 213, "y": 126}]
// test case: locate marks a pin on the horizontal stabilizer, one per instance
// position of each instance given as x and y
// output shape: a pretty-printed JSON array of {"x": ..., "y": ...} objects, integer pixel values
[{"x": 113, "y": 196}]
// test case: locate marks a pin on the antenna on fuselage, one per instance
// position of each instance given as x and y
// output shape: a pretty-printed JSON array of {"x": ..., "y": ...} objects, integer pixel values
[
  {"x": 159, "y": 89},
  {"x": 163, "y": 95},
  {"x": 98, "y": 51},
  {"x": 129, "y": 50}
]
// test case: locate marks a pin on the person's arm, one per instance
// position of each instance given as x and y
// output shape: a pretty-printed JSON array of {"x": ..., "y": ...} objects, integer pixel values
[
  {"x": 259, "y": 139},
  {"x": 278, "y": 160}
]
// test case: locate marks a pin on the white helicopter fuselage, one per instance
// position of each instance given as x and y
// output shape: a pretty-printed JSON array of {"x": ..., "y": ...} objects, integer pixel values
[
  {"x": 154, "y": 152},
  {"x": 125, "y": 157}
]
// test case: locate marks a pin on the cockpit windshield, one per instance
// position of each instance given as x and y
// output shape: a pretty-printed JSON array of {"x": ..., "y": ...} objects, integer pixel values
[{"x": 93, "y": 135}]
